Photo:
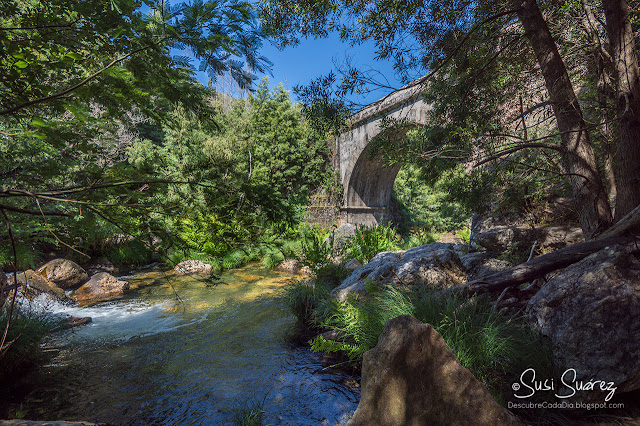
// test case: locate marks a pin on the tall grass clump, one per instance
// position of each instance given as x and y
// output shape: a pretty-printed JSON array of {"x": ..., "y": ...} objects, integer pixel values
[
  {"x": 369, "y": 241},
  {"x": 491, "y": 346},
  {"x": 252, "y": 414},
  {"x": 303, "y": 299},
  {"x": 315, "y": 252},
  {"x": 234, "y": 259},
  {"x": 25, "y": 334}
]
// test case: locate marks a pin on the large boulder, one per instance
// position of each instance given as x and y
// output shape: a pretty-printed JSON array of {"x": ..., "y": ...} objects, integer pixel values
[
  {"x": 434, "y": 265},
  {"x": 591, "y": 313},
  {"x": 102, "y": 286},
  {"x": 193, "y": 266},
  {"x": 64, "y": 273},
  {"x": 33, "y": 284},
  {"x": 549, "y": 238},
  {"x": 412, "y": 378}
]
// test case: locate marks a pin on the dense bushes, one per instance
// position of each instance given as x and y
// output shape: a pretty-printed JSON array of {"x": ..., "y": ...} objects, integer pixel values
[
  {"x": 23, "y": 340},
  {"x": 492, "y": 346}
]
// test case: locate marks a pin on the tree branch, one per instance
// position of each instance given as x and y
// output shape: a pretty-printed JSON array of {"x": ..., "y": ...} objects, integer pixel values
[{"x": 74, "y": 87}]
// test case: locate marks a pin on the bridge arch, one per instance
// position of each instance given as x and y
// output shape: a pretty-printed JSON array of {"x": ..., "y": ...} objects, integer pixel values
[{"x": 367, "y": 181}]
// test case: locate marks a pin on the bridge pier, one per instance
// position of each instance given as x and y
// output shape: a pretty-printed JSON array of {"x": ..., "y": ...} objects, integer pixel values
[{"x": 367, "y": 216}]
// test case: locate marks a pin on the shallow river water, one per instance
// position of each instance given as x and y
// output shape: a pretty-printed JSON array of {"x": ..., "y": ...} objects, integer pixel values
[{"x": 179, "y": 351}]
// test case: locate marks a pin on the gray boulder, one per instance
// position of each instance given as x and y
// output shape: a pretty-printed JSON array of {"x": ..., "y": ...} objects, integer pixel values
[
  {"x": 412, "y": 378},
  {"x": 548, "y": 238},
  {"x": 193, "y": 266},
  {"x": 435, "y": 265},
  {"x": 64, "y": 273},
  {"x": 102, "y": 286},
  {"x": 341, "y": 236},
  {"x": 591, "y": 313}
]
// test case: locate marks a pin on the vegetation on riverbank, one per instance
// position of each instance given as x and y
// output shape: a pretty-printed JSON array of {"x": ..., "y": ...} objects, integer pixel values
[{"x": 490, "y": 345}]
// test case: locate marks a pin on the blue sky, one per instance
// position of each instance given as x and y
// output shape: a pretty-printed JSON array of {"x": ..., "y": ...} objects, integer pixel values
[{"x": 315, "y": 57}]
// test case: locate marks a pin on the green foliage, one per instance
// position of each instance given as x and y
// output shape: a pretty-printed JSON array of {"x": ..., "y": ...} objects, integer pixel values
[
  {"x": 234, "y": 259},
  {"x": 435, "y": 206},
  {"x": 369, "y": 241},
  {"x": 28, "y": 255},
  {"x": 26, "y": 333},
  {"x": 303, "y": 298},
  {"x": 131, "y": 253},
  {"x": 489, "y": 345},
  {"x": 332, "y": 274},
  {"x": 418, "y": 237},
  {"x": 252, "y": 414},
  {"x": 315, "y": 253}
]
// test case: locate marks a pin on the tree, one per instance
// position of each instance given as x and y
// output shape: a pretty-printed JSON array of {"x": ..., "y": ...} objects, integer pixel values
[
  {"x": 476, "y": 48},
  {"x": 627, "y": 83},
  {"x": 79, "y": 81}
]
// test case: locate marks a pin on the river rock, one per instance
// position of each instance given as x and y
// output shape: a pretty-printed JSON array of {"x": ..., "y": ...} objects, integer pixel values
[
  {"x": 434, "y": 265},
  {"x": 64, "y": 273},
  {"x": 412, "y": 378},
  {"x": 193, "y": 266},
  {"x": 101, "y": 286},
  {"x": 591, "y": 313},
  {"x": 33, "y": 284},
  {"x": 100, "y": 265}
]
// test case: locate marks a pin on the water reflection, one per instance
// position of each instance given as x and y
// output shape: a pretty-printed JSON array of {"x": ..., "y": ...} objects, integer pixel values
[{"x": 177, "y": 351}]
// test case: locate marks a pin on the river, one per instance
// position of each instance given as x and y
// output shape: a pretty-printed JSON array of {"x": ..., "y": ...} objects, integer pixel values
[{"x": 180, "y": 351}]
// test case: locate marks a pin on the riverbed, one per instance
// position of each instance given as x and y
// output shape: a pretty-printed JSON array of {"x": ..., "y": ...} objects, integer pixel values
[{"x": 178, "y": 350}]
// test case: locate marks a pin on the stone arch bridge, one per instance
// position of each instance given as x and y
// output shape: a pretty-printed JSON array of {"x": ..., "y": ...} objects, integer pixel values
[{"x": 366, "y": 180}]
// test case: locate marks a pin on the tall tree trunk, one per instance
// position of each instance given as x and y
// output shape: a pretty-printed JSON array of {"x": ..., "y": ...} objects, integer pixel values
[
  {"x": 627, "y": 82},
  {"x": 578, "y": 157},
  {"x": 604, "y": 85}
]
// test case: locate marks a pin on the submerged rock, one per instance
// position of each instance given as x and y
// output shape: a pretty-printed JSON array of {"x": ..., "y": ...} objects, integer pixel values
[
  {"x": 193, "y": 266},
  {"x": 591, "y": 313},
  {"x": 434, "y": 265},
  {"x": 33, "y": 284},
  {"x": 412, "y": 378},
  {"x": 102, "y": 286},
  {"x": 71, "y": 322},
  {"x": 64, "y": 273}
]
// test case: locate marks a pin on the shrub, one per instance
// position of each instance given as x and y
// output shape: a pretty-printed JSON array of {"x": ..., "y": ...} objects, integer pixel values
[
  {"x": 26, "y": 333},
  {"x": 332, "y": 274},
  {"x": 234, "y": 259},
  {"x": 367, "y": 242},
  {"x": 130, "y": 253},
  {"x": 303, "y": 298},
  {"x": 489, "y": 345},
  {"x": 315, "y": 253},
  {"x": 272, "y": 259}
]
